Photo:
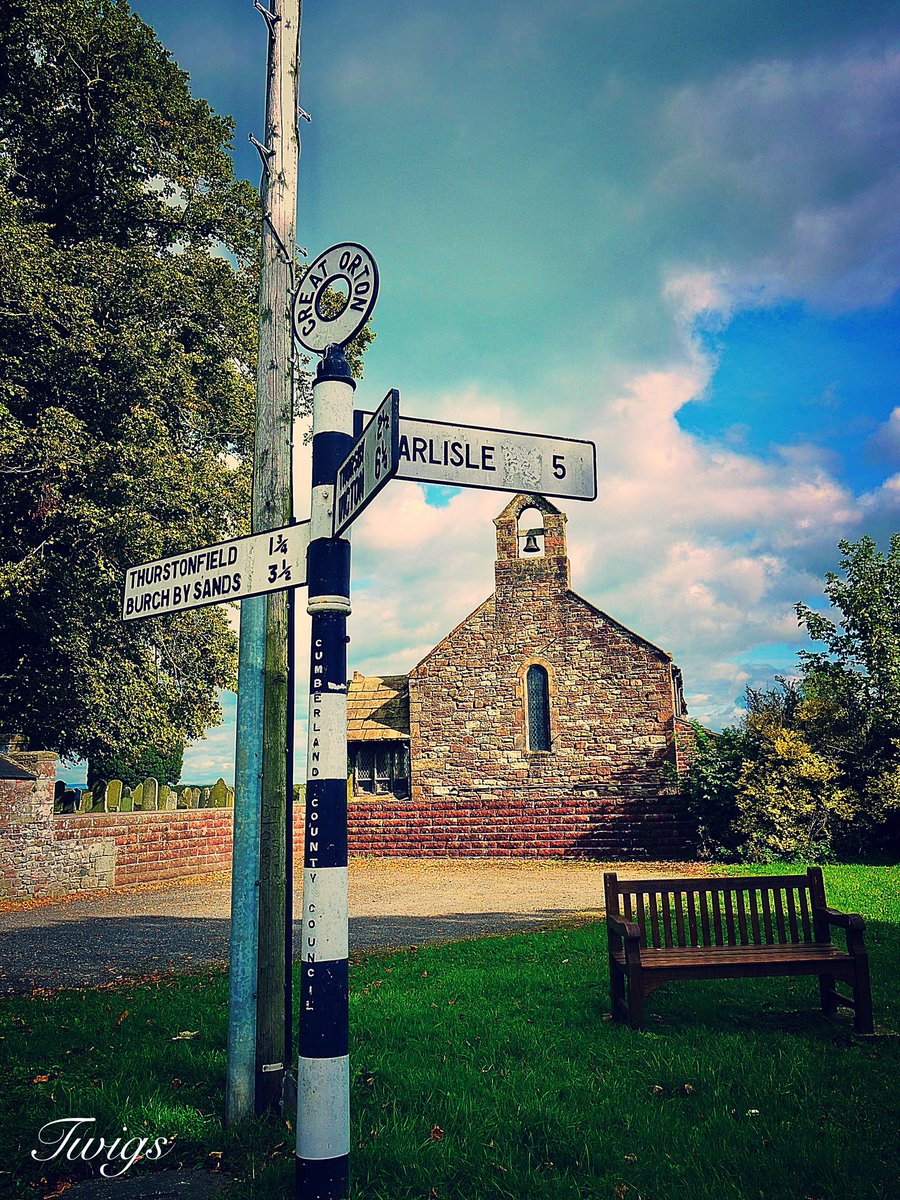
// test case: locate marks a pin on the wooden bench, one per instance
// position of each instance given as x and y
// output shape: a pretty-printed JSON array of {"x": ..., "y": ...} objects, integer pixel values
[{"x": 664, "y": 929}]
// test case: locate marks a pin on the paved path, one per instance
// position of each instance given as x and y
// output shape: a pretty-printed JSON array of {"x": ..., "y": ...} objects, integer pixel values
[{"x": 130, "y": 932}]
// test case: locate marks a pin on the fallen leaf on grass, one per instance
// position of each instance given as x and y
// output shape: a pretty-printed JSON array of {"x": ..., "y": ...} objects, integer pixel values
[
  {"x": 41, "y": 1079},
  {"x": 62, "y": 1186},
  {"x": 120, "y": 1018},
  {"x": 215, "y": 1158},
  {"x": 687, "y": 1089},
  {"x": 437, "y": 1133},
  {"x": 656, "y": 1090},
  {"x": 185, "y": 1034}
]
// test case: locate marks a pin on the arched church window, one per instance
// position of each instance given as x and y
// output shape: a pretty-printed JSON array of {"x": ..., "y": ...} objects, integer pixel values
[
  {"x": 530, "y": 533},
  {"x": 537, "y": 687}
]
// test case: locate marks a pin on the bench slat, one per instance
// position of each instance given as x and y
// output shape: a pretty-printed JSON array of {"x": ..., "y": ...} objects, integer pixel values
[
  {"x": 679, "y": 919},
  {"x": 641, "y": 916},
  {"x": 779, "y": 913},
  {"x": 801, "y": 952},
  {"x": 729, "y": 917},
  {"x": 715, "y": 900},
  {"x": 712, "y": 883},
  {"x": 703, "y": 897},
  {"x": 804, "y": 914},
  {"x": 665, "y": 904},
  {"x": 791, "y": 898},
  {"x": 767, "y": 917},
  {"x": 754, "y": 917},
  {"x": 742, "y": 917},
  {"x": 692, "y": 916},
  {"x": 652, "y": 900}
]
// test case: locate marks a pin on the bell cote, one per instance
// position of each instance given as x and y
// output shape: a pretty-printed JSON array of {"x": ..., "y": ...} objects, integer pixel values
[{"x": 531, "y": 545}]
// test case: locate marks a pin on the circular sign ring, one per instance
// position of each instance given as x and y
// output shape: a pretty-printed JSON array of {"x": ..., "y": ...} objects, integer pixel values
[{"x": 347, "y": 261}]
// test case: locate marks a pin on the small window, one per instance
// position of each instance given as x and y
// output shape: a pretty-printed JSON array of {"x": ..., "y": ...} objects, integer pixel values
[
  {"x": 538, "y": 689},
  {"x": 380, "y": 769},
  {"x": 364, "y": 769}
]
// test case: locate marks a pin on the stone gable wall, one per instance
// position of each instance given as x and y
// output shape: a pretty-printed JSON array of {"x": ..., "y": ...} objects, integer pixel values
[
  {"x": 611, "y": 705},
  {"x": 612, "y": 721}
]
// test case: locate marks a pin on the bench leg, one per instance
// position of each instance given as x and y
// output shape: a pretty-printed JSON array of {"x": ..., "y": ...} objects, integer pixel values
[
  {"x": 616, "y": 989},
  {"x": 826, "y": 993},
  {"x": 863, "y": 1017},
  {"x": 635, "y": 999}
]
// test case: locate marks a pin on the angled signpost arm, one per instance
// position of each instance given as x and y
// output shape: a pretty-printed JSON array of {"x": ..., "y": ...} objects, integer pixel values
[{"x": 371, "y": 463}]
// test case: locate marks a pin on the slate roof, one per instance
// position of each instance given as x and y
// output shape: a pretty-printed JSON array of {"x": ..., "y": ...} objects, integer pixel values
[
  {"x": 11, "y": 770},
  {"x": 378, "y": 708}
]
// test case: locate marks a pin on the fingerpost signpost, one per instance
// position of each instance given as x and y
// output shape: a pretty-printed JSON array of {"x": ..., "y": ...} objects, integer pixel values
[
  {"x": 347, "y": 474},
  {"x": 345, "y": 477}
]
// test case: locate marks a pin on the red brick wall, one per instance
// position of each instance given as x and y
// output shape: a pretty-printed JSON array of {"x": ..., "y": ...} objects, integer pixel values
[
  {"x": 515, "y": 826},
  {"x": 152, "y": 846}
]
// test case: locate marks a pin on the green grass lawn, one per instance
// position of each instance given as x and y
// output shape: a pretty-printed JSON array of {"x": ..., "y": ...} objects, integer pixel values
[{"x": 488, "y": 1068}]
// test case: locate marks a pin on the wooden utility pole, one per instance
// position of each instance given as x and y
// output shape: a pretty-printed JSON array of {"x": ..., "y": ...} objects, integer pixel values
[{"x": 272, "y": 508}]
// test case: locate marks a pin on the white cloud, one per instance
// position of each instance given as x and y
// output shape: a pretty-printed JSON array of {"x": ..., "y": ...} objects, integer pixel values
[
  {"x": 793, "y": 165},
  {"x": 698, "y": 546}
]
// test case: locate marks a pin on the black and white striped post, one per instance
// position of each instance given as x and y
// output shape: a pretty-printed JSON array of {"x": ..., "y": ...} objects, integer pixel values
[
  {"x": 323, "y": 1070},
  {"x": 323, "y": 1067}
]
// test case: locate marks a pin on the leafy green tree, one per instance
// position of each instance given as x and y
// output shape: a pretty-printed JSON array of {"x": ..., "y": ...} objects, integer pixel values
[
  {"x": 788, "y": 798},
  {"x": 162, "y": 765},
  {"x": 709, "y": 789},
  {"x": 128, "y": 338},
  {"x": 851, "y": 688}
]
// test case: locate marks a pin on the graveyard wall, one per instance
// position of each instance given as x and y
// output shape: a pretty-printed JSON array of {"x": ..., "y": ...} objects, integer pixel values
[
  {"x": 150, "y": 847},
  {"x": 33, "y": 862}
]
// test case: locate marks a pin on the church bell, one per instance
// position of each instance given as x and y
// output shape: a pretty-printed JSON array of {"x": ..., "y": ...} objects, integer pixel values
[{"x": 531, "y": 543}]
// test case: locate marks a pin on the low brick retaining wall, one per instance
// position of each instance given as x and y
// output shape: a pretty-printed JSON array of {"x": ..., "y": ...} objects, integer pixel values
[
  {"x": 514, "y": 825},
  {"x": 43, "y": 854},
  {"x": 155, "y": 845}
]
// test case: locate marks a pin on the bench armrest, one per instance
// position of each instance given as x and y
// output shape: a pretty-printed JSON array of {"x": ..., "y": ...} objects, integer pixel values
[
  {"x": 848, "y": 921},
  {"x": 629, "y": 929},
  {"x": 851, "y": 922},
  {"x": 629, "y": 932}
]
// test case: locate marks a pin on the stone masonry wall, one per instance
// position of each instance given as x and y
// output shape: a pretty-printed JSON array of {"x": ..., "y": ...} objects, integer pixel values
[
  {"x": 612, "y": 718},
  {"x": 32, "y": 862},
  {"x": 43, "y": 855}
]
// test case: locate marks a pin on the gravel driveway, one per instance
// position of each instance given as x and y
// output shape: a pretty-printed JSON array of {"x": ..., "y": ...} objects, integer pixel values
[{"x": 128, "y": 932}]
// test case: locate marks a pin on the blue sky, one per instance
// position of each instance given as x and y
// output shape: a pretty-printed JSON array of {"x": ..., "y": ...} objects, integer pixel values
[{"x": 671, "y": 228}]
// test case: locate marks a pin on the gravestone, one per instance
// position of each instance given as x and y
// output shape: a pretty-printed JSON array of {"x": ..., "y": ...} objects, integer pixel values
[
  {"x": 204, "y": 798},
  {"x": 114, "y": 794},
  {"x": 190, "y": 797},
  {"x": 168, "y": 798},
  {"x": 83, "y": 801},
  {"x": 150, "y": 801},
  {"x": 59, "y": 789},
  {"x": 70, "y": 800},
  {"x": 126, "y": 801},
  {"x": 137, "y": 797},
  {"x": 218, "y": 795},
  {"x": 229, "y": 803},
  {"x": 98, "y": 800}
]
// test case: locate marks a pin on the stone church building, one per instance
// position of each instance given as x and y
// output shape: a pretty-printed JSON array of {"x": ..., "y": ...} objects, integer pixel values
[{"x": 539, "y": 726}]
